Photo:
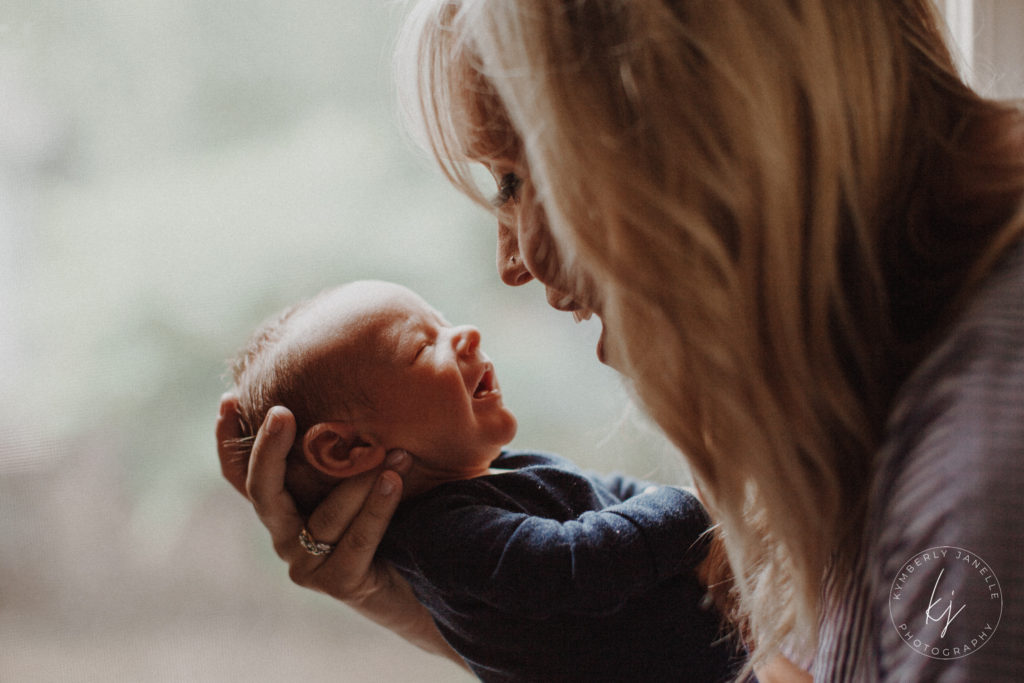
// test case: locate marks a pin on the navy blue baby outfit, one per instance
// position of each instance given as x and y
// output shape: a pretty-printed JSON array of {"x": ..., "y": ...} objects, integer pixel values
[{"x": 547, "y": 573}]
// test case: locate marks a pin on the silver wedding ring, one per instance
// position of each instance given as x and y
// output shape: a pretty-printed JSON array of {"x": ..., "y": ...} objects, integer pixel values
[{"x": 313, "y": 546}]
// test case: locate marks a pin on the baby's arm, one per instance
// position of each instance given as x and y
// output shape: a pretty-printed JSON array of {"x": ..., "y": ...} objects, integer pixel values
[
  {"x": 625, "y": 487},
  {"x": 535, "y": 565}
]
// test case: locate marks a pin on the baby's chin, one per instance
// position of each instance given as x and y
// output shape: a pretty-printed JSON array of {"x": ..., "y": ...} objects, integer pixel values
[{"x": 510, "y": 429}]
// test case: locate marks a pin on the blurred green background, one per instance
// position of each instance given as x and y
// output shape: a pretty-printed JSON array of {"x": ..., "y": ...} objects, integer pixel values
[{"x": 172, "y": 172}]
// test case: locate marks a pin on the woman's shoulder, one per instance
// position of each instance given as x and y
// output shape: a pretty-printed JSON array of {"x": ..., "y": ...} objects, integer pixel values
[
  {"x": 965, "y": 402},
  {"x": 944, "y": 525},
  {"x": 986, "y": 338}
]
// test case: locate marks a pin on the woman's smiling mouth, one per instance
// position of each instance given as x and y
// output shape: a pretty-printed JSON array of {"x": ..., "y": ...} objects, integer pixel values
[{"x": 581, "y": 314}]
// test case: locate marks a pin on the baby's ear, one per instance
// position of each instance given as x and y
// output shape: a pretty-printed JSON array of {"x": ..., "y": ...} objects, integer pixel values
[{"x": 338, "y": 450}]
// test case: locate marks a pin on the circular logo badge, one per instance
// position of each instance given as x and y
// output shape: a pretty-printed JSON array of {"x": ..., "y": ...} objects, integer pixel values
[{"x": 945, "y": 602}]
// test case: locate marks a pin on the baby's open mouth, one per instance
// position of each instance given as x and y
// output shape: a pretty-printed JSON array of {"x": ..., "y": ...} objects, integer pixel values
[{"x": 486, "y": 386}]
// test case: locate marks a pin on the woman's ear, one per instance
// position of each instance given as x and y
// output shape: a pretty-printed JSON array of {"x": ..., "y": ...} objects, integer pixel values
[{"x": 338, "y": 450}]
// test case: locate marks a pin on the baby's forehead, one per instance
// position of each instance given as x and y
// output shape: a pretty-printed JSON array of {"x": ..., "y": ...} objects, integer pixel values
[{"x": 366, "y": 318}]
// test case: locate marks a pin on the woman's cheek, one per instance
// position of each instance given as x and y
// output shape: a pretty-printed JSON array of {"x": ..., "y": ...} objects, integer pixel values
[{"x": 537, "y": 247}]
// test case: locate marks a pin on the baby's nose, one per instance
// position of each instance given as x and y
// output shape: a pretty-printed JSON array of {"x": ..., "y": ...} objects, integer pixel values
[{"x": 467, "y": 340}]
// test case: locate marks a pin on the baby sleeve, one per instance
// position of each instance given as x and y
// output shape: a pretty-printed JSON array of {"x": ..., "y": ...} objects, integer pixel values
[{"x": 589, "y": 565}]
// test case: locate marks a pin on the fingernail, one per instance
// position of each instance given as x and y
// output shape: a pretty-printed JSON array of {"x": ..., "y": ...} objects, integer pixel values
[
  {"x": 272, "y": 425},
  {"x": 385, "y": 486},
  {"x": 396, "y": 458}
]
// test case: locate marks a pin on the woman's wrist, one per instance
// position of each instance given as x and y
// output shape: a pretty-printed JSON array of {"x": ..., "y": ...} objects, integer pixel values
[{"x": 394, "y": 606}]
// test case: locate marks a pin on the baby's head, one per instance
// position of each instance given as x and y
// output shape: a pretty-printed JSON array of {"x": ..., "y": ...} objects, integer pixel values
[{"x": 369, "y": 367}]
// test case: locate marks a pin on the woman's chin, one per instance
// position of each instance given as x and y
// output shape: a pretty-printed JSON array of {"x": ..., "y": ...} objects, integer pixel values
[{"x": 602, "y": 348}]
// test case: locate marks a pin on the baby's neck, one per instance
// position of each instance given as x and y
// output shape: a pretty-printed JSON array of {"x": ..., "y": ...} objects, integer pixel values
[{"x": 423, "y": 476}]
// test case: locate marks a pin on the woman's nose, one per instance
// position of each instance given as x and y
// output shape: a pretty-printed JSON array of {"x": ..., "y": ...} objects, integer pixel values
[
  {"x": 511, "y": 269},
  {"x": 466, "y": 340}
]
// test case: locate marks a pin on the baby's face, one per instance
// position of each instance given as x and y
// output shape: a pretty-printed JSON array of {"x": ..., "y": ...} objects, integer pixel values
[{"x": 433, "y": 391}]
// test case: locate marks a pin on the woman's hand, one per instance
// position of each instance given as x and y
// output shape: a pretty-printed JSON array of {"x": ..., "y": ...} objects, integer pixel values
[{"x": 354, "y": 517}]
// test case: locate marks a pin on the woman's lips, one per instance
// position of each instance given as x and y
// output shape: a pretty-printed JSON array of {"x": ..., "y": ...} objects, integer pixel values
[
  {"x": 580, "y": 314},
  {"x": 565, "y": 302}
]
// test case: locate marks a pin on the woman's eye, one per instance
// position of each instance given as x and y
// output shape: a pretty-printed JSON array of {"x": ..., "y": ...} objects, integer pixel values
[{"x": 508, "y": 189}]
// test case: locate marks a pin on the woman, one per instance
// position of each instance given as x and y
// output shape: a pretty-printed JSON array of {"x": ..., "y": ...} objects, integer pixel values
[{"x": 803, "y": 235}]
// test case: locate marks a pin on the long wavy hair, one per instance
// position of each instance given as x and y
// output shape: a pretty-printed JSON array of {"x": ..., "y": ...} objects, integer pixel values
[{"x": 783, "y": 204}]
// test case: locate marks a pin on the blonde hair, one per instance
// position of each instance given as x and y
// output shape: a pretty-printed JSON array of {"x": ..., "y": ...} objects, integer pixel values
[{"x": 784, "y": 204}]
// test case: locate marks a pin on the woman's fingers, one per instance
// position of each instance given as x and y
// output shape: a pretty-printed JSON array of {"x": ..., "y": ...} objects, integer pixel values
[
  {"x": 335, "y": 513},
  {"x": 351, "y": 562},
  {"x": 232, "y": 466},
  {"x": 268, "y": 462},
  {"x": 355, "y": 517},
  {"x": 262, "y": 481},
  {"x": 364, "y": 534},
  {"x": 265, "y": 484},
  {"x": 356, "y": 504}
]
